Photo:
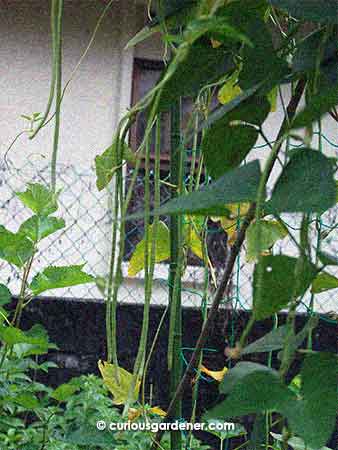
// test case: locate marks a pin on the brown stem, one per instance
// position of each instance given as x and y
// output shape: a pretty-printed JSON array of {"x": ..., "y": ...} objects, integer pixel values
[{"x": 219, "y": 294}]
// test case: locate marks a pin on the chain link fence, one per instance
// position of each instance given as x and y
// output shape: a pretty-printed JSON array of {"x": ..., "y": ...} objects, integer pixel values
[{"x": 86, "y": 239}]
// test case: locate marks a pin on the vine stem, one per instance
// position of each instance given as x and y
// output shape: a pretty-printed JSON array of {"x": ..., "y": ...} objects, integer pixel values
[
  {"x": 235, "y": 250},
  {"x": 58, "y": 69}
]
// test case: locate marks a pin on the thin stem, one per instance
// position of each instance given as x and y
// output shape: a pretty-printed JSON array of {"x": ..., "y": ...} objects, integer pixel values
[
  {"x": 176, "y": 257},
  {"x": 58, "y": 64},
  {"x": 54, "y": 32}
]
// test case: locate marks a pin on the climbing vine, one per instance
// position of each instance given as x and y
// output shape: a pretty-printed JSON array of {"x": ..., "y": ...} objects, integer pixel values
[{"x": 247, "y": 54}]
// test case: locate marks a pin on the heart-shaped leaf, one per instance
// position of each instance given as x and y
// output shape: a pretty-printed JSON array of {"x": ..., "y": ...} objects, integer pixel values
[
  {"x": 306, "y": 184},
  {"x": 227, "y": 141},
  {"x": 278, "y": 283},
  {"x": 251, "y": 388}
]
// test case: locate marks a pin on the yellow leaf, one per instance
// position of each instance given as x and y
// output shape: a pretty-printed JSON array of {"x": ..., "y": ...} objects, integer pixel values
[
  {"x": 162, "y": 249},
  {"x": 232, "y": 238},
  {"x": 217, "y": 375},
  {"x": 193, "y": 240},
  {"x": 119, "y": 388},
  {"x": 158, "y": 411},
  {"x": 272, "y": 98},
  {"x": 237, "y": 212},
  {"x": 134, "y": 414},
  {"x": 215, "y": 44},
  {"x": 229, "y": 90}
]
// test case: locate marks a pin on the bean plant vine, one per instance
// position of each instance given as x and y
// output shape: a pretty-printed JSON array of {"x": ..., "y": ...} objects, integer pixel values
[{"x": 247, "y": 54}]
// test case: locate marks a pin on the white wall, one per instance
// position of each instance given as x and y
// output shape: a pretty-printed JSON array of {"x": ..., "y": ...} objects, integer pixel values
[{"x": 97, "y": 97}]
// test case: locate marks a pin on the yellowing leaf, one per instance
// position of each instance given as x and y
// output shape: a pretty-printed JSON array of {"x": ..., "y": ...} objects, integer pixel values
[
  {"x": 272, "y": 97},
  {"x": 162, "y": 249},
  {"x": 230, "y": 222},
  {"x": 134, "y": 413},
  {"x": 192, "y": 238},
  {"x": 229, "y": 90},
  {"x": 119, "y": 388},
  {"x": 158, "y": 411},
  {"x": 237, "y": 212},
  {"x": 215, "y": 43},
  {"x": 271, "y": 232},
  {"x": 217, "y": 375}
]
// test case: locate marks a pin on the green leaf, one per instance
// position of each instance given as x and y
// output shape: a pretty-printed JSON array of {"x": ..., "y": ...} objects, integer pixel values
[
  {"x": 162, "y": 249},
  {"x": 27, "y": 400},
  {"x": 106, "y": 164},
  {"x": 64, "y": 392},
  {"x": 175, "y": 14},
  {"x": 216, "y": 28},
  {"x": 41, "y": 200},
  {"x": 15, "y": 248},
  {"x": 261, "y": 62},
  {"x": 324, "y": 282},
  {"x": 96, "y": 438},
  {"x": 306, "y": 56},
  {"x": 35, "y": 336},
  {"x": 39, "y": 227},
  {"x": 236, "y": 186},
  {"x": 327, "y": 260},
  {"x": 227, "y": 141},
  {"x": 36, "y": 343},
  {"x": 5, "y": 295},
  {"x": 317, "y": 106},
  {"x": 271, "y": 232},
  {"x": 306, "y": 184},
  {"x": 311, "y": 418},
  {"x": 59, "y": 277},
  {"x": 251, "y": 388},
  {"x": 274, "y": 340},
  {"x": 296, "y": 443},
  {"x": 192, "y": 68},
  {"x": 322, "y": 11},
  {"x": 278, "y": 284}
]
